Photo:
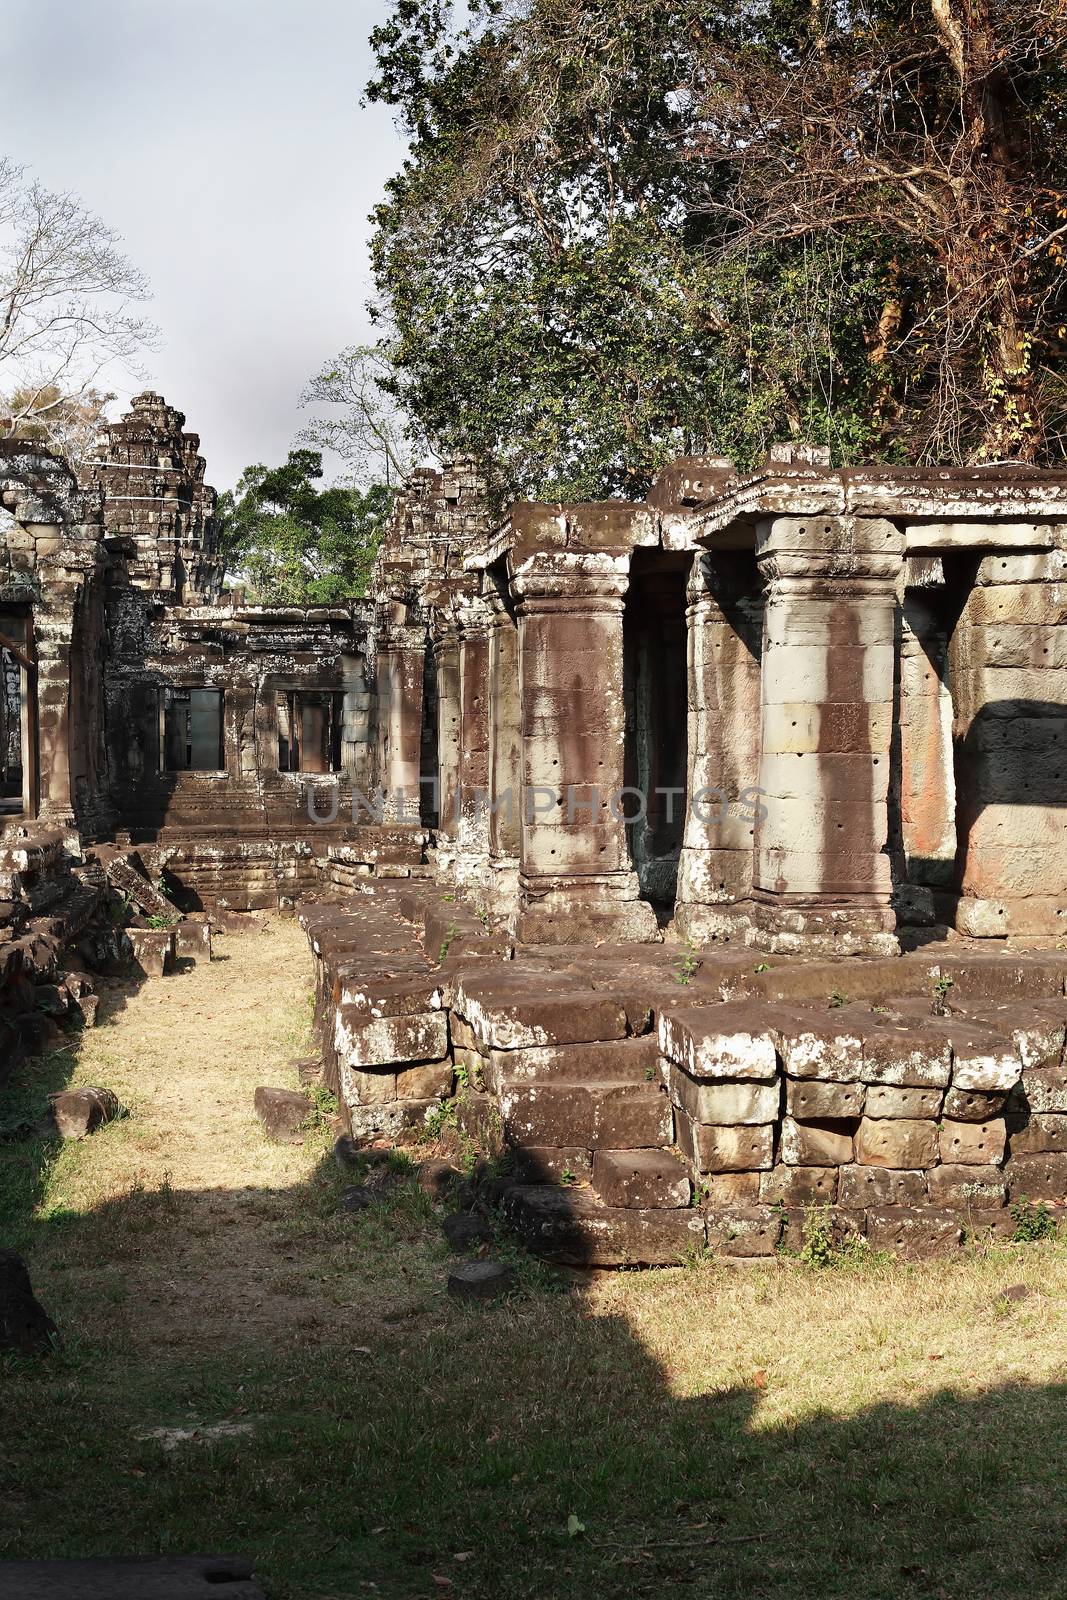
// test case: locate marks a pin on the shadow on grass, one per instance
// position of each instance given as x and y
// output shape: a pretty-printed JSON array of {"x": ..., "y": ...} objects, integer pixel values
[{"x": 532, "y": 1448}]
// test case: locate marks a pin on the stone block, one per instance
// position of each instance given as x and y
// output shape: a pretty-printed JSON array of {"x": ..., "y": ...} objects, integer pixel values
[
  {"x": 521, "y": 1010},
  {"x": 896, "y": 1142},
  {"x": 887, "y": 1100},
  {"x": 880, "y": 1186},
  {"x": 425, "y": 1081},
  {"x": 1039, "y": 1042},
  {"x": 830, "y": 1051},
  {"x": 619, "y": 1116},
  {"x": 78, "y": 1112},
  {"x": 793, "y": 1186},
  {"x": 815, "y": 1144},
  {"x": 573, "y": 1227},
  {"x": 1038, "y": 1177},
  {"x": 640, "y": 1178},
  {"x": 715, "y": 1149},
  {"x": 966, "y": 1186},
  {"x": 982, "y": 1059},
  {"x": 812, "y": 1100},
  {"x": 386, "y": 1041},
  {"x": 728, "y": 1041},
  {"x": 973, "y": 1105},
  {"x": 192, "y": 941},
  {"x": 724, "y": 1103},
  {"x": 153, "y": 950},
  {"x": 916, "y": 1235},
  {"x": 283, "y": 1113},
  {"x": 367, "y": 1087},
  {"x": 724, "y": 1189},
  {"x": 1045, "y": 1089},
  {"x": 615, "y": 1061},
  {"x": 972, "y": 1143},
  {"x": 907, "y": 1056},
  {"x": 745, "y": 1231},
  {"x": 552, "y": 1164},
  {"x": 1044, "y": 1133}
]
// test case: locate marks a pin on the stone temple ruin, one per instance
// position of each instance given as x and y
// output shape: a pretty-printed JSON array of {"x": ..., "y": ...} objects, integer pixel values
[{"x": 583, "y": 812}]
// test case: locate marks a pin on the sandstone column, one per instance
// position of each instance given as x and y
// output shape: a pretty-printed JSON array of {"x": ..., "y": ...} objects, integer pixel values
[
  {"x": 724, "y": 617},
  {"x": 1008, "y": 661},
  {"x": 822, "y": 876},
  {"x": 400, "y": 656},
  {"x": 505, "y": 756},
  {"x": 576, "y": 883},
  {"x": 446, "y": 660},
  {"x": 474, "y": 617}
]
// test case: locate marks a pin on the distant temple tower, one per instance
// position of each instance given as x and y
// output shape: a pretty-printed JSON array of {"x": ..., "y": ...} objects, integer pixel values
[{"x": 152, "y": 478}]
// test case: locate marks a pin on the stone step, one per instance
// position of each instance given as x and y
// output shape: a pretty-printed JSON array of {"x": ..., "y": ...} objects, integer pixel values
[
  {"x": 641, "y": 1179},
  {"x": 575, "y": 1227},
  {"x": 615, "y": 1115}
]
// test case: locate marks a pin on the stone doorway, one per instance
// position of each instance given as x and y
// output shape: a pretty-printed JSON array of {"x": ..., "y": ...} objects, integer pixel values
[
  {"x": 656, "y": 693},
  {"x": 18, "y": 716}
]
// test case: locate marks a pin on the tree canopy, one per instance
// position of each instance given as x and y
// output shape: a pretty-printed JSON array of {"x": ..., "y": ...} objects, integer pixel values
[
  {"x": 296, "y": 543},
  {"x": 629, "y": 228}
]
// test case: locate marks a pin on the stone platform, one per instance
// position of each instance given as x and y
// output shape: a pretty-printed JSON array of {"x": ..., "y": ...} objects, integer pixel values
[{"x": 650, "y": 1109}]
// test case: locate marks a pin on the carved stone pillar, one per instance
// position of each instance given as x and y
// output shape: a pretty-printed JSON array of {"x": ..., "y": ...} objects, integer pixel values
[
  {"x": 446, "y": 660},
  {"x": 822, "y": 879},
  {"x": 474, "y": 616},
  {"x": 1008, "y": 669},
  {"x": 575, "y": 881},
  {"x": 400, "y": 663},
  {"x": 505, "y": 756},
  {"x": 724, "y": 618}
]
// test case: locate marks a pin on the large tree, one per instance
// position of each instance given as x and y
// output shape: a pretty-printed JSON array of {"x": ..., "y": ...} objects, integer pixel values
[
  {"x": 627, "y": 228},
  {"x": 297, "y": 543},
  {"x": 69, "y": 301}
]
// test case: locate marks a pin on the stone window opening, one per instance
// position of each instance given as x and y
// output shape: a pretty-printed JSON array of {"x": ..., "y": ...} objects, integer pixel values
[
  {"x": 310, "y": 730},
  {"x": 192, "y": 729}
]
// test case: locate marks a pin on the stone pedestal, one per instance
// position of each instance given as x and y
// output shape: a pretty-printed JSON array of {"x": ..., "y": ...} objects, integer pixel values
[
  {"x": 575, "y": 882},
  {"x": 725, "y": 624},
  {"x": 822, "y": 880}
]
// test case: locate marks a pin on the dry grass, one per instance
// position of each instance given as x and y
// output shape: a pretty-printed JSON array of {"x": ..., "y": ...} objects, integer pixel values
[{"x": 871, "y": 1429}]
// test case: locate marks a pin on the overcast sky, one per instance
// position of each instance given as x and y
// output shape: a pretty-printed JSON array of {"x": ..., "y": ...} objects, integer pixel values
[{"x": 224, "y": 139}]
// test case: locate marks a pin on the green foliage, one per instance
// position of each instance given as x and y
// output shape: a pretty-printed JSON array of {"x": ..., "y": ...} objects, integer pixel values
[
  {"x": 1032, "y": 1223},
  {"x": 297, "y": 543},
  {"x": 688, "y": 964},
  {"x": 637, "y": 229}
]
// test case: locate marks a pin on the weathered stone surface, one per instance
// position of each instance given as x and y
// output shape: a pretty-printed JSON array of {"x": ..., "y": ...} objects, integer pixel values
[
  {"x": 810, "y": 1100},
  {"x": 897, "y": 1142},
  {"x": 481, "y": 1280},
  {"x": 283, "y": 1113},
  {"x": 728, "y": 1041},
  {"x": 714, "y": 1149},
  {"x": 791, "y": 1186},
  {"x": 889, "y": 1101},
  {"x": 573, "y": 1227},
  {"x": 511, "y": 1013},
  {"x": 425, "y": 1081},
  {"x": 25, "y": 1326},
  {"x": 911, "y": 1056},
  {"x": 153, "y": 950},
  {"x": 192, "y": 941},
  {"x": 966, "y": 1186},
  {"x": 640, "y": 1178},
  {"x": 826, "y": 1050},
  {"x": 1045, "y": 1088},
  {"x": 880, "y": 1186},
  {"x": 552, "y": 1164},
  {"x": 386, "y": 1041},
  {"x": 972, "y": 1105},
  {"x": 724, "y": 1103},
  {"x": 913, "y": 1234},
  {"x": 745, "y": 1231},
  {"x": 972, "y": 1142},
  {"x": 815, "y": 1144},
  {"x": 1038, "y": 1177},
  {"x": 620, "y": 1116},
  {"x": 78, "y": 1112},
  {"x": 722, "y": 1190},
  {"x": 1043, "y": 1134},
  {"x": 982, "y": 1060},
  {"x": 1039, "y": 1041}
]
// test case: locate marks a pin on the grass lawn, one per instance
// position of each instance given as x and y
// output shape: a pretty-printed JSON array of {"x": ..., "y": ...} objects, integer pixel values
[{"x": 244, "y": 1370}]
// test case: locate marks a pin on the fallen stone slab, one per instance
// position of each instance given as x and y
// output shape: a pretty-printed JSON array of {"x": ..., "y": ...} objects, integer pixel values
[
  {"x": 133, "y": 1578},
  {"x": 79, "y": 1112},
  {"x": 192, "y": 941},
  {"x": 481, "y": 1280},
  {"x": 25, "y": 1326},
  {"x": 153, "y": 950},
  {"x": 283, "y": 1113}
]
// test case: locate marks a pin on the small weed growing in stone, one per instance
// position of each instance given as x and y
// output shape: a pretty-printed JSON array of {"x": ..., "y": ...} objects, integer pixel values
[
  {"x": 450, "y": 934},
  {"x": 1032, "y": 1223},
  {"x": 837, "y": 1000},
  {"x": 941, "y": 987},
  {"x": 762, "y": 966},
  {"x": 688, "y": 963},
  {"x": 322, "y": 1109}
]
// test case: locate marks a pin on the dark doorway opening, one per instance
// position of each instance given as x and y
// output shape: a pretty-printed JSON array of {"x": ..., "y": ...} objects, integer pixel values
[
  {"x": 310, "y": 730},
  {"x": 656, "y": 689},
  {"x": 18, "y": 716},
  {"x": 192, "y": 730}
]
